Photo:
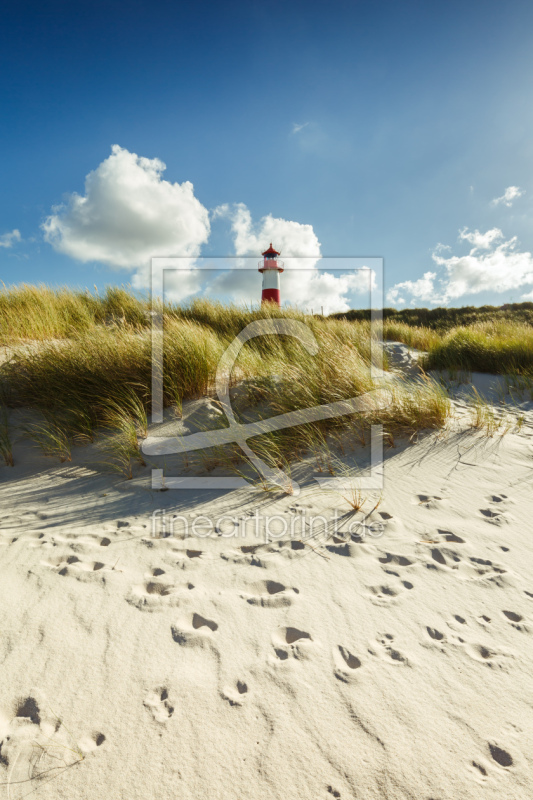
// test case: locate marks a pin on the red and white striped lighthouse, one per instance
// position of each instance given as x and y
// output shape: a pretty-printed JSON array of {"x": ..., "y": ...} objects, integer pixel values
[{"x": 271, "y": 267}]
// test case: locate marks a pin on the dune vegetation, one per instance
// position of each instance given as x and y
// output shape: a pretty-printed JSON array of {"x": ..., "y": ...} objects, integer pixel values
[
  {"x": 482, "y": 339},
  {"x": 487, "y": 339},
  {"x": 85, "y": 362},
  {"x": 500, "y": 346},
  {"x": 443, "y": 319}
]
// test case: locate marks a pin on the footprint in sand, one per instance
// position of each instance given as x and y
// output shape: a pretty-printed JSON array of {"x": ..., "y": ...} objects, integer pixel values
[
  {"x": 441, "y": 640},
  {"x": 435, "y": 634},
  {"x": 392, "y": 558},
  {"x": 79, "y": 568},
  {"x": 342, "y": 548},
  {"x": 500, "y": 756},
  {"x": 479, "y": 770},
  {"x": 474, "y": 568},
  {"x": 445, "y": 557},
  {"x": 383, "y": 594},
  {"x": 252, "y": 554},
  {"x": 194, "y": 629},
  {"x": 515, "y": 619},
  {"x": 156, "y": 593},
  {"x": 497, "y": 498},
  {"x": 35, "y": 539},
  {"x": 236, "y": 694},
  {"x": 493, "y": 658},
  {"x": 387, "y": 523},
  {"x": 494, "y": 516},
  {"x": 482, "y": 766},
  {"x": 431, "y": 501},
  {"x": 159, "y": 704},
  {"x": 269, "y": 594},
  {"x": 384, "y": 648},
  {"x": 34, "y": 742},
  {"x": 90, "y": 743},
  {"x": 289, "y": 641},
  {"x": 450, "y": 536},
  {"x": 513, "y": 616},
  {"x": 263, "y": 555},
  {"x": 77, "y": 543},
  {"x": 389, "y": 560},
  {"x": 188, "y": 558},
  {"x": 346, "y": 664},
  {"x": 495, "y": 513},
  {"x": 485, "y": 569}
]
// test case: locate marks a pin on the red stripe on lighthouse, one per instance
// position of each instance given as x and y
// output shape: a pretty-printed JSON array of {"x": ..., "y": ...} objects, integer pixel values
[{"x": 271, "y": 296}]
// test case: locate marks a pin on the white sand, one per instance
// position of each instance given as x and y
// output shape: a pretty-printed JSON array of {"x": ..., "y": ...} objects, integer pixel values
[{"x": 395, "y": 667}]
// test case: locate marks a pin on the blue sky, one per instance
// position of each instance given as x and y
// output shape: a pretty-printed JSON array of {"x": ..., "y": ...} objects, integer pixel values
[{"x": 387, "y": 127}]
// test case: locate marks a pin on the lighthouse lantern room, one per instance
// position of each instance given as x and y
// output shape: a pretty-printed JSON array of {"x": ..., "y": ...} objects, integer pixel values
[{"x": 271, "y": 267}]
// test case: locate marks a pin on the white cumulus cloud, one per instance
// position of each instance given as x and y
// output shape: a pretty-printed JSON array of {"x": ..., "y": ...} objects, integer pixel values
[
  {"x": 481, "y": 241},
  {"x": 507, "y": 198},
  {"x": 9, "y": 239},
  {"x": 422, "y": 289},
  {"x": 491, "y": 265},
  {"x": 302, "y": 282},
  {"x": 128, "y": 214},
  {"x": 293, "y": 239}
]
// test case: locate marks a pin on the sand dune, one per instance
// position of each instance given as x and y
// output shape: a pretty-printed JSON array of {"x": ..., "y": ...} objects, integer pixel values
[{"x": 271, "y": 666}]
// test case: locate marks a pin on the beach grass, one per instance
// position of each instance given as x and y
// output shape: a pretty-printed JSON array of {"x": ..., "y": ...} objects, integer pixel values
[
  {"x": 415, "y": 336},
  {"x": 500, "y": 347},
  {"x": 486, "y": 339},
  {"x": 6, "y": 444},
  {"x": 39, "y": 313},
  {"x": 443, "y": 319},
  {"x": 90, "y": 366}
]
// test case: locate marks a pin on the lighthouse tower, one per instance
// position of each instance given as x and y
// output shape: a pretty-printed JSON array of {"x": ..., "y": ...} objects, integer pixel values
[{"x": 271, "y": 267}]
